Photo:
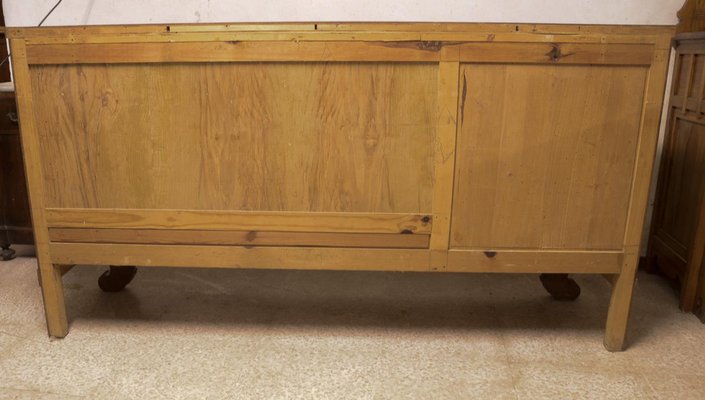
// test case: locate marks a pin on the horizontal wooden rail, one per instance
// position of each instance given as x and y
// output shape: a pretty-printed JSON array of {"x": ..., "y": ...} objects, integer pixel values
[
  {"x": 689, "y": 116},
  {"x": 238, "y": 238},
  {"x": 177, "y": 30},
  {"x": 560, "y": 53},
  {"x": 241, "y": 257},
  {"x": 283, "y": 51},
  {"x": 510, "y": 261},
  {"x": 239, "y": 220},
  {"x": 543, "y": 261},
  {"x": 242, "y": 51},
  {"x": 695, "y": 47}
]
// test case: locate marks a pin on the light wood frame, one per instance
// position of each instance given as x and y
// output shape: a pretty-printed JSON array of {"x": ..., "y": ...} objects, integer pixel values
[{"x": 92, "y": 236}]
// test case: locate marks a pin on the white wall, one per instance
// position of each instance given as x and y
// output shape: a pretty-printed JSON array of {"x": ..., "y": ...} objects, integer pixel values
[{"x": 91, "y": 12}]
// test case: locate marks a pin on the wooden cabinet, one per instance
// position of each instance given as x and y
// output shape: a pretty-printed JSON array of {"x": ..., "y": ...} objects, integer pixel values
[
  {"x": 677, "y": 239},
  {"x": 678, "y": 229},
  {"x": 15, "y": 221},
  {"x": 407, "y": 147}
]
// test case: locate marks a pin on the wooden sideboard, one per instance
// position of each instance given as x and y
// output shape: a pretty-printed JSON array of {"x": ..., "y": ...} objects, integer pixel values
[{"x": 407, "y": 147}]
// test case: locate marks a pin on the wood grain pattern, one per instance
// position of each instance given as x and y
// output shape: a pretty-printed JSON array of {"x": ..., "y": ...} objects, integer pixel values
[
  {"x": 545, "y": 160},
  {"x": 269, "y": 137}
]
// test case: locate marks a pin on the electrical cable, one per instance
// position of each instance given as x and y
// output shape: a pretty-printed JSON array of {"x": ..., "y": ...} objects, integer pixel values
[
  {"x": 40, "y": 24},
  {"x": 49, "y": 13}
]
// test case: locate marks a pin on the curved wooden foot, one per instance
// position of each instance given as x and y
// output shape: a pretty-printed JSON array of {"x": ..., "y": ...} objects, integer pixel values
[
  {"x": 7, "y": 253},
  {"x": 560, "y": 286},
  {"x": 116, "y": 278}
]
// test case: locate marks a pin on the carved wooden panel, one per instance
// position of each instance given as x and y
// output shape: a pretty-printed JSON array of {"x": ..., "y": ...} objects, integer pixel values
[{"x": 692, "y": 16}]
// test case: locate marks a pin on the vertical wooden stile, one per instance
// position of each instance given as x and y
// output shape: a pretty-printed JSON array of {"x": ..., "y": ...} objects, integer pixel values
[
  {"x": 52, "y": 286},
  {"x": 622, "y": 289},
  {"x": 444, "y": 162}
]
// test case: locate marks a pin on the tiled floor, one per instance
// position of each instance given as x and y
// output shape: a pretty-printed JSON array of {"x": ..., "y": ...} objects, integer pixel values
[{"x": 225, "y": 334}]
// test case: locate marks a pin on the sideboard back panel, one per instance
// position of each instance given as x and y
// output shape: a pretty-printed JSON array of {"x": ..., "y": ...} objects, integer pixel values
[
  {"x": 406, "y": 147},
  {"x": 338, "y": 137},
  {"x": 545, "y": 155}
]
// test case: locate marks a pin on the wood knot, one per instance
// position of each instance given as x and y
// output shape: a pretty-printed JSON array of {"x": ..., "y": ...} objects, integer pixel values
[
  {"x": 490, "y": 254},
  {"x": 555, "y": 53},
  {"x": 251, "y": 236},
  {"x": 431, "y": 46},
  {"x": 426, "y": 219},
  {"x": 407, "y": 232}
]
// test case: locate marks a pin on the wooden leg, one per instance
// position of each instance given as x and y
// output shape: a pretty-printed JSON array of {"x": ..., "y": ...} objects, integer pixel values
[
  {"x": 116, "y": 278},
  {"x": 620, "y": 304},
  {"x": 53, "y": 294},
  {"x": 560, "y": 286}
]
